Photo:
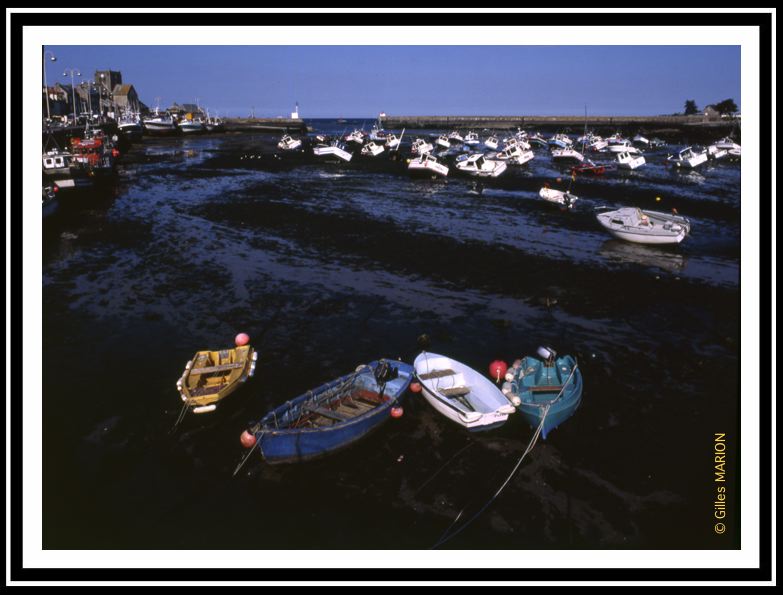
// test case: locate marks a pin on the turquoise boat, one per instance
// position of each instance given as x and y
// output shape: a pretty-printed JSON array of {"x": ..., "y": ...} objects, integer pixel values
[{"x": 550, "y": 386}]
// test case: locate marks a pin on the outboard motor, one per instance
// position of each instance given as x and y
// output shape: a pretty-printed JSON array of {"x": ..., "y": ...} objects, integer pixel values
[
  {"x": 547, "y": 353},
  {"x": 384, "y": 372}
]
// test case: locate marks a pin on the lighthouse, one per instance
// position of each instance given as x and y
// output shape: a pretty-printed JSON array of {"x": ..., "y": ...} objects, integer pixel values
[{"x": 295, "y": 113}]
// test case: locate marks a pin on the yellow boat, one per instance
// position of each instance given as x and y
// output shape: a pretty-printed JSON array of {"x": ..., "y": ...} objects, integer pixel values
[{"x": 213, "y": 375}]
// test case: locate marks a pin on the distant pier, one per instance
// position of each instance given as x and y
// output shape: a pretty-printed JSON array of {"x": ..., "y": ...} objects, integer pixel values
[{"x": 265, "y": 125}]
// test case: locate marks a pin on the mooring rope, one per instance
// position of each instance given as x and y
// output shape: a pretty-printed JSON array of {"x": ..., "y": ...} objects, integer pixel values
[
  {"x": 182, "y": 413},
  {"x": 247, "y": 456},
  {"x": 446, "y": 535}
]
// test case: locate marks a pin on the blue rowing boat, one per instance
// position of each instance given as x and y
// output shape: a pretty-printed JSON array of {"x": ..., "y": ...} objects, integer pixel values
[
  {"x": 334, "y": 415},
  {"x": 549, "y": 388}
]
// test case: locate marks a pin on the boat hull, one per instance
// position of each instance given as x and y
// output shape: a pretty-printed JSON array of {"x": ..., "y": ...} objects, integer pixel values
[{"x": 296, "y": 445}]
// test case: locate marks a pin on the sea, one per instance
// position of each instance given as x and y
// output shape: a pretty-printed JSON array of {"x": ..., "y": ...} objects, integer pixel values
[{"x": 327, "y": 266}]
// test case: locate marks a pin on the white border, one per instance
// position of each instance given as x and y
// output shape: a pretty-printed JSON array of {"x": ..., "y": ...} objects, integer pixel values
[{"x": 34, "y": 556}]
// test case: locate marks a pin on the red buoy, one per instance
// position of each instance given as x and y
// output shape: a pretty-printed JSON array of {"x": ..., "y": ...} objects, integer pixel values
[
  {"x": 247, "y": 439},
  {"x": 498, "y": 369},
  {"x": 242, "y": 339},
  {"x": 115, "y": 153},
  {"x": 415, "y": 387},
  {"x": 396, "y": 412}
]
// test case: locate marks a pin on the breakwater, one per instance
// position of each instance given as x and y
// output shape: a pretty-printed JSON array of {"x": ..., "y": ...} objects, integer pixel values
[
  {"x": 662, "y": 124},
  {"x": 265, "y": 125}
]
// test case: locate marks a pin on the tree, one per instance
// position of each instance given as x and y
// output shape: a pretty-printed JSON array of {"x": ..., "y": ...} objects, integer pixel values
[
  {"x": 727, "y": 106},
  {"x": 690, "y": 107}
]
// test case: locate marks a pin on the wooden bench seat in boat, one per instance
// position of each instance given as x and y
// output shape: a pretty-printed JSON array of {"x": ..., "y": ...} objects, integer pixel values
[
  {"x": 455, "y": 391},
  {"x": 325, "y": 412},
  {"x": 436, "y": 374},
  {"x": 205, "y": 390},
  {"x": 220, "y": 368},
  {"x": 546, "y": 389}
]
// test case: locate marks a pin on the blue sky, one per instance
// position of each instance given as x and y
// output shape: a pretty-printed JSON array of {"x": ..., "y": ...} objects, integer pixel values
[{"x": 360, "y": 81}]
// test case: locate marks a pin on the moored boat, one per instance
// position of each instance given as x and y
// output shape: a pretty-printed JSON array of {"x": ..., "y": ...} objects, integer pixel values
[
  {"x": 567, "y": 154},
  {"x": 628, "y": 161},
  {"x": 372, "y": 150},
  {"x": 335, "y": 151},
  {"x": 476, "y": 165},
  {"x": 645, "y": 227},
  {"x": 589, "y": 167},
  {"x": 547, "y": 390},
  {"x": 491, "y": 143},
  {"x": 427, "y": 165},
  {"x": 333, "y": 415},
  {"x": 460, "y": 393},
  {"x": 471, "y": 138},
  {"x": 421, "y": 147},
  {"x": 211, "y": 376},
  {"x": 560, "y": 197},
  {"x": 443, "y": 141},
  {"x": 289, "y": 143},
  {"x": 688, "y": 158},
  {"x": 49, "y": 201}
]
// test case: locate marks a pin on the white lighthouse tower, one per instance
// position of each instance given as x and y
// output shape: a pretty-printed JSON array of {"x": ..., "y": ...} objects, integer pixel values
[{"x": 295, "y": 113}]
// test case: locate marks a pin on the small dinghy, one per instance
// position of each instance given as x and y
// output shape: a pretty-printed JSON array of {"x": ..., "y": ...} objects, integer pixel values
[
  {"x": 372, "y": 150},
  {"x": 628, "y": 161},
  {"x": 476, "y": 165},
  {"x": 332, "y": 416},
  {"x": 460, "y": 393},
  {"x": 645, "y": 227},
  {"x": 427, "y": 165},
  {"x": 213, "y": 375},
  {"x": 289, "y": 143},
  {"x": 560, "y": 197},
  {"x": 548, "y": 389},
  {"x": 688, "y": 158}
]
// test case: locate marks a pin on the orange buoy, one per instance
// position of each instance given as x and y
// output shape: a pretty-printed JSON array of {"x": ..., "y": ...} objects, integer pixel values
[
  {"x": 396, "y": 412},
  {"x": 415, "y": 387},
  {"x": 242, "y": 339},
  {"x": 247, "y": 439}
]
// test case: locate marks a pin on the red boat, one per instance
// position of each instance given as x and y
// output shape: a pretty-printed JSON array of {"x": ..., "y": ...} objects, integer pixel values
[
  {"x": 588, "y": 168},
  {"x": 94, "y": 153}
]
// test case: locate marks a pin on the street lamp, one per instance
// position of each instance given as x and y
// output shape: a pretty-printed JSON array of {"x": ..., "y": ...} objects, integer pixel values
[
  {"x": 73, "y": 71},
  {"x": 46, "y": 86}
]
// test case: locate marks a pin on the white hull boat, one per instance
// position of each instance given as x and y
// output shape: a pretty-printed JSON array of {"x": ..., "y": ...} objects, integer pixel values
[
  {"x": 645, "y": 227},
  {"x": 491, "y": 143},
  {"x": 357, "y": 136},
  {"x": 56, "y": 163},
  {"x": 715, "y": 152},
  {"x": 687, "y": 158},
  {"x": 455, "y": 137},
  {"x": 443, "y": 141},
  {"x": 476, "y": 165},
  {"x": 515, "y": 155},
  {"x": 567, "y": 155},
  {"x": 190, "y": 126},
  {"x": 471, "y": 138},
  {"x": 334, "y": 151},
  {"x": 372, "y": 150},
  {"x": 288, "y": 143},
  {"x": 560, "y": 141},
  {"x": 628, "y": 161},
  {"x": 460, "y": 393},
  {"x": 421, "y": 147},
  {"x": 159, "y": 124},
  {"x": 427, "y": 165},
  {"x": 597, "y": 144},
  {"x": 728, "y": 144},
  {"x": 641, "y": 140},
  {"x": 559, "y": 197},
  {"x": 624, "y": 147}
]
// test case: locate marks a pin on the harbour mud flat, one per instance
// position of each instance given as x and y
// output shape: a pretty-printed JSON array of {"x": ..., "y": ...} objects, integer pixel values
[{"x": 329, "y": 266}]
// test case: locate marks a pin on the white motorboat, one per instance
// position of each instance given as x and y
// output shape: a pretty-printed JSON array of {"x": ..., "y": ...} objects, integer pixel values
[
  {"x": 357, "y": 136},
  {"x": 455, "y": 137},
  {"x": 628, "y": 161},
  {"x": 688, "y": 158},
  {"x": 461, "y": 393},
  {"x": 335, "y": 150},
  {"x": 537, "y": 140},
  {"x": 491, "y": 143},
  {"x": 421, "y": 147},
  {"x": 597, "y": 144},
  {"x": 159, "y": 124},
  {"x": 561, "y": 141},
  {"x": 657, "y": 142},
  {"x": 471, "y": 138},
  {"x": 56, "y": 162},
  {"x": 641, "y": 140},
  {"x": 372, "y": 150},
  {"x": 392, "y": 142},
  {"x": 616, "y": 139},
  {"x": 190, "y": 125},
  {"x": 427, "y": 165},
  {"x": 443, "y": 141},
  {"x": 515, "y": 154},
  {"x": 715, "y": 152},
  {"x": 130, "y": 125},
  {"x": 567, "y": 154},
  {"x": 214, "y": 124},
  {"x": 289, "y": 143},
  {"x": 476, "y": 165},
  {"x": 645, "y": 227},
  {"x": 728, "y": 143},
  {"x": 560, "y": 197}
]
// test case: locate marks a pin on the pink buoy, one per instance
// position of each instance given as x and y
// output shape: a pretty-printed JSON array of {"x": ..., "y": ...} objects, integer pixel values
[
  {"x": 498, "y": 369},
  {"x": 242, "y": 339},
  {"x": 396, "y": 412},
  {"x": 247, "y": 439},
  {"x": 415, "y": 387}
]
